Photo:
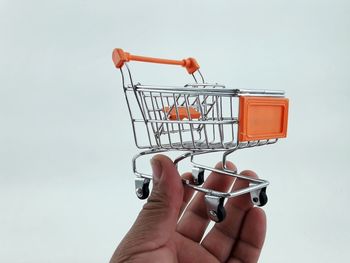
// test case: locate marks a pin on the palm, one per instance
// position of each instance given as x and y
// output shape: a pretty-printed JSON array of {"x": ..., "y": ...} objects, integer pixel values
[{"x": 239, "y": 238}]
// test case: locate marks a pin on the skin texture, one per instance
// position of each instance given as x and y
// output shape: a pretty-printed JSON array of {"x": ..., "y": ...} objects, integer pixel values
[{"x": 170, "y": 227}]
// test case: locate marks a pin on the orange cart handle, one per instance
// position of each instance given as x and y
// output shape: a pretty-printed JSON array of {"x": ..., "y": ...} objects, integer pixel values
[{"x": 119, "y": 57}]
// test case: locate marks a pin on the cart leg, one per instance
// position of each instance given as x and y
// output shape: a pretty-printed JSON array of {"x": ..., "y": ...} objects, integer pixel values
[
  {"x": 215, "y": 207},
  {"x": 142, "y": 187},
  {"x": 198, "y": 175},
  {"x": 259, "y": 197}
]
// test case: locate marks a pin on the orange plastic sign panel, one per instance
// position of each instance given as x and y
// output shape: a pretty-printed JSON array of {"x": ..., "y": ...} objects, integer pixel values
[
  {"x": 262, "y": 118},
  {"x": 183, "y": 113}
]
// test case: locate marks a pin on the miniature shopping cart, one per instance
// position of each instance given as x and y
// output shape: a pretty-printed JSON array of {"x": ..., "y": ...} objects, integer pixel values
[{"x": 201, "y": 118}]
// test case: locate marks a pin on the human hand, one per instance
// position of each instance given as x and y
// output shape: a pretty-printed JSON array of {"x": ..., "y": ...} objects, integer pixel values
[{"x": 158, "y": 235}]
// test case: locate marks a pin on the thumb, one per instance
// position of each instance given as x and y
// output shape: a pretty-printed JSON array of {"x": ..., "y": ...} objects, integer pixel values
[
  {"x": 162, "y": 208},
  {"x": 158, "y": 217}
]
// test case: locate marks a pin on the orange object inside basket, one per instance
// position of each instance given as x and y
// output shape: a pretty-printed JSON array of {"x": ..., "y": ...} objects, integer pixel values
[
  {"x": 183, "y": 113},
  {"x": 262, "y": 118}
]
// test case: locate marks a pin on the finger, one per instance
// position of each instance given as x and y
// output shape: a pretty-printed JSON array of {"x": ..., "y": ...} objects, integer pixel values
[
  {"x": 222, "y": 236},
  {"x": 252, "y": 237},
  {"x": 188, "y": 192},
  {"x": 195, "y": 219},
  {"x": 157, "y": 220}
]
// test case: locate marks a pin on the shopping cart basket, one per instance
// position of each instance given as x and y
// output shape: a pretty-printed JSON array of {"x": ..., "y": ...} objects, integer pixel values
[{"x": 201, "y": 118}]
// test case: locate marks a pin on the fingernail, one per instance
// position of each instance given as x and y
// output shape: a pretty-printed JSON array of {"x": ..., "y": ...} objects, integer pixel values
[{"x": 157, "y": 170}]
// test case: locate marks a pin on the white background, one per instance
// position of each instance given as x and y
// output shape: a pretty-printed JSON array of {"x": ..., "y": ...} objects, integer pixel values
[{"x": 66, "y": 185}]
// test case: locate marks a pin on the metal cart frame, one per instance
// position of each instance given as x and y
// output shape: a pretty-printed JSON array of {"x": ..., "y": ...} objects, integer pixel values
[{"x": 201, "y": 118}]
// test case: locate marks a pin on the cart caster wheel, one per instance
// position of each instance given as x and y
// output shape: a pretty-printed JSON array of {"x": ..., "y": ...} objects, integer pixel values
[
  {"x": 218, "y": 215},
  {"x": 263, "y": 197},
  {"x": 259, "y": 197},
  {"x": 142, "y": 188},
  {"x": 198, "y": 175},
  {"x": 215, "y": 208}
]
